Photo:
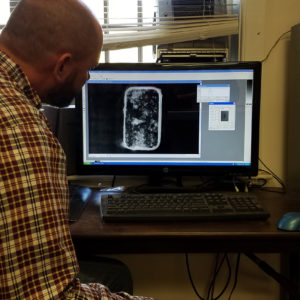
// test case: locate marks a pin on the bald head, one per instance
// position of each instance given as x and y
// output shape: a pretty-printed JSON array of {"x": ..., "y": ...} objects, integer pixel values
[
  {"x": 55, "y": 43},
  {"x": 39, "y": 28}
]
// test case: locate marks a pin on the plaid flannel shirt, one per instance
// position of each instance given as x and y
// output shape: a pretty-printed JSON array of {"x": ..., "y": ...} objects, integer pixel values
[{"x": 37, "y": 258}]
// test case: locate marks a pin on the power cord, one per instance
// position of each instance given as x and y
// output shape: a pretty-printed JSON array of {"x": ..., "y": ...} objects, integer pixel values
[
  {"x": 270, "y": 172},
  {"x": 210, "y": 292},
  {"x": 217, "y": 268},
  {"x": 191, "y": 278},
  {"x": 275, "y": 44},
  {"x": 237, "y": 266},
  {"x": 113, "y": 181},
  {"x": 212, "y": 285}
]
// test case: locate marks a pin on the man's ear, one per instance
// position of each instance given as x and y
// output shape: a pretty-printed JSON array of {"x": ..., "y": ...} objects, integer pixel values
[{"x": 63, "y": 67}]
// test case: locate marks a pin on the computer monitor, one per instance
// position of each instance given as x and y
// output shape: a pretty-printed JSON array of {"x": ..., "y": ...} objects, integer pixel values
[{"x": 181, "y": 119}]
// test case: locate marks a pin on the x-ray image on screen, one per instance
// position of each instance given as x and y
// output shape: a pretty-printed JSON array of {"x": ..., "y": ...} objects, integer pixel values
[
  {"x": 132, "y": 118},
  {"x": 142, "y": 118}
]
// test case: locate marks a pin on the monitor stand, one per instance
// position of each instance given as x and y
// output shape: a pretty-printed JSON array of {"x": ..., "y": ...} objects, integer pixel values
[{"x": 159, "y": 183}]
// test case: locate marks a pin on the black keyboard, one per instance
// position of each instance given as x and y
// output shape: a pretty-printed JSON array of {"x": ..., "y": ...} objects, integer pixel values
[{"x": 181, "y": 207}]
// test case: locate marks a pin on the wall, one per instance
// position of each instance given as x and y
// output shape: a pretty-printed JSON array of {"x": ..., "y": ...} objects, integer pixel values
[
  {"x": 164, "y": 275},
  {"x": 264, "y": 21}
]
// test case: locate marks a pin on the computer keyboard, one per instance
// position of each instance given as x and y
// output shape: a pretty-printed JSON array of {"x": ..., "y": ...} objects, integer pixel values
[{"x": 181, "y": 207}]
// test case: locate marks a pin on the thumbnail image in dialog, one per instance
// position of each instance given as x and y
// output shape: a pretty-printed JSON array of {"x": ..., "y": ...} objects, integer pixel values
[{"x": 142, "y": 113}]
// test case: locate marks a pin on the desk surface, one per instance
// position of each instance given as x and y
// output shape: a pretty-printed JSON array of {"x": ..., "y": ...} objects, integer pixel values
[{"x": 92, "y": 235}]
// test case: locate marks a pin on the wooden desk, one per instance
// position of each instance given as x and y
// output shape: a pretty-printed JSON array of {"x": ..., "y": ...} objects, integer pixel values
[{"x": 92, "y": 235}]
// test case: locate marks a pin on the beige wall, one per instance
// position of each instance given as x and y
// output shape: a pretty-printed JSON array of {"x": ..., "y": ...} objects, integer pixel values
[
  {"x": 264, "y": 21},
  {"x": 164, "y": 275}
]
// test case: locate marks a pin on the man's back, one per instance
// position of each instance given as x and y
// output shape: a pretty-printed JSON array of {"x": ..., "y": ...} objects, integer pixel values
[{"x": 35, "y": 239}]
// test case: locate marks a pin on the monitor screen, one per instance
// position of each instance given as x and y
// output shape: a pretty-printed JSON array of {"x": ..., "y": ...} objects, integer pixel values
[{"x": 183, "y": 119}]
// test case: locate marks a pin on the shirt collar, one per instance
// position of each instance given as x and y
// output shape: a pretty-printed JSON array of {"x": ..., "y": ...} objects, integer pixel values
[{"x": 17, "y": 75}]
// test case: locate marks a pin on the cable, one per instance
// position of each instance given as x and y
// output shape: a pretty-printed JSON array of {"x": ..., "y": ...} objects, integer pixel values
[
  {"x": 269, "y": 171},
  {"x": 113, "y": 181},
  {"x": 212, "y": 284},
  {"x": 235, "y": 185},
  {"x": 218, "y": 266},
  {"x": 260, "y": 182},
  {"x": 228, "y": 277},
  {"x": 275, "y": 44},
  {"x": 190, "y": 276},
  {"x": 237, "y": 265}
]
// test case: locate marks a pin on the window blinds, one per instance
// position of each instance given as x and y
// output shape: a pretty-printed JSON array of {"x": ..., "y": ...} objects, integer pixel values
[
  {"x": 169, "y": 31},
  {"x": 171, "y": 21},
  {"x": 136, "y": 23}
]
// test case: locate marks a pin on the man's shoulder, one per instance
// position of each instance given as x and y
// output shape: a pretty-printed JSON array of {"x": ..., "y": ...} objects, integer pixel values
[{"x": 15, "y": 108}]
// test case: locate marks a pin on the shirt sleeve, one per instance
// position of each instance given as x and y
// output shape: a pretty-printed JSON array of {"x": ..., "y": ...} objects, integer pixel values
[{"x": 96, "y": 291}]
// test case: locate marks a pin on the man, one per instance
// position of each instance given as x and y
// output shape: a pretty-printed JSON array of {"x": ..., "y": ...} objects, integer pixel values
[{"x": 46, "y": 50}]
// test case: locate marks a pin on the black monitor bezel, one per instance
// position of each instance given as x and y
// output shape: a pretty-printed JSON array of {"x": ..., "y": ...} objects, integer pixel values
[{"x": 202, "y": 170}]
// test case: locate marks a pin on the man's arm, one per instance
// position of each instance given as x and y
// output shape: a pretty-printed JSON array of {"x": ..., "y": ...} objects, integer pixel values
[{"x": 96, "y": 291}]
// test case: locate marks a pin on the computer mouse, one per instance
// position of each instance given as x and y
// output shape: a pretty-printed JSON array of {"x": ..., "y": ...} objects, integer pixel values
[{"x": 289, "y": 222}]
